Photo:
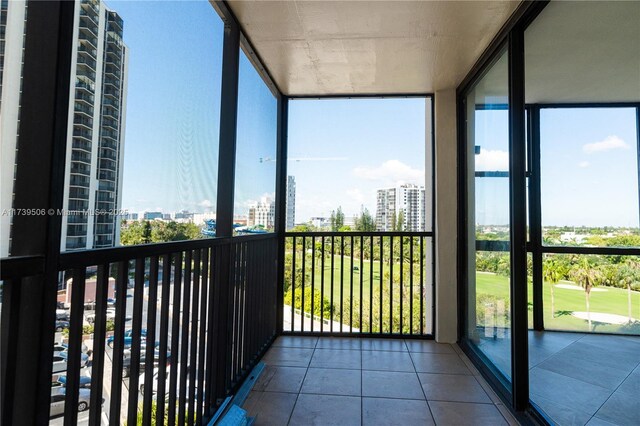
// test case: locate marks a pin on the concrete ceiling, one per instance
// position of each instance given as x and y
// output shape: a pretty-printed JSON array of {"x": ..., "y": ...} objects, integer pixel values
[
  {"x": 369, "y": 47},
  {"x": 584, "y": 52}
]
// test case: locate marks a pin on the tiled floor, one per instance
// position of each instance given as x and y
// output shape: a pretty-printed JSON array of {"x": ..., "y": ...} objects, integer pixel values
[
  {"x": 342, "y": 381},
  {"x": 579, "y": 378}
]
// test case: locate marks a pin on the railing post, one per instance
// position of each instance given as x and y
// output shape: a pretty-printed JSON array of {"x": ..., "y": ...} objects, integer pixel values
[
  {"x": 281, "y": 206},
  {"x": 39, "y": 183}
]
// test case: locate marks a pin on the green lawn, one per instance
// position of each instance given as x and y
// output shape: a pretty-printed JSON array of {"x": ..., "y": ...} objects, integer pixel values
[{"x": 611, "y": 300}]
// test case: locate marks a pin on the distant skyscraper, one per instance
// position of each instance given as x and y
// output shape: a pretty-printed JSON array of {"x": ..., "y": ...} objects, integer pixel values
[
  {"x": 291, "y": 202},
  {"x": 95, "y": 139},
  {"x": 406, "y": 199},
  {"x": 262, "y": 213}
]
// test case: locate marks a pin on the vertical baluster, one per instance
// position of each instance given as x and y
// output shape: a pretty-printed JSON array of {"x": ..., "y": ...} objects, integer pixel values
[
  {"x": 351, "y": 289},
  {"x": 401, "y": 281},
  {"x": 184, "y": 339},
  {"x": 210, "y": 373},
  {"x": 380, "y": 280},
  {"x": 134, "y": 377},
  {"x": 371, "y": 284},
  {"x": 304, "y": 255},
  {"x": 293, "y": 285},
  {"x": 313, "y": 279},
  {"x": 421, "y": 285},
  {"x": 322, "y": 284},
  {"x": 175, "y": 336},
  {"x": 164, "y": 338},
  {"x": 75, "y": 347},
  {"x": 361, "y": 280},
  {"x": 202, "y": 324},
  {"x": 99, "y": 336},
  {"x": 391, "y": 260},
  {"x": 122, "y": 279},
  {"x": 331, "y": 292},
  {"x": 341, "y": 280},
  {"x": 411, "y": 285},
  {"x": 195, "y": 302},
  {"x": 149, "y": 357}
]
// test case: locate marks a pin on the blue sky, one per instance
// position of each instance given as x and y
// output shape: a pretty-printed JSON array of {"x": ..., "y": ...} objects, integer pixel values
[{"x": 350, "y": 147}]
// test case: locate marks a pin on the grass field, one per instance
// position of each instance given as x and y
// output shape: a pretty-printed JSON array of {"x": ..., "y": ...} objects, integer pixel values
[{"x": 610, "y": 300}]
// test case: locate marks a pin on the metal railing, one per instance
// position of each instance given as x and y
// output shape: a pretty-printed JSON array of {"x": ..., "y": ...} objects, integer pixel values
[
  {"x": 373, "y": 283},
  {"x": 189, "y": 321}
]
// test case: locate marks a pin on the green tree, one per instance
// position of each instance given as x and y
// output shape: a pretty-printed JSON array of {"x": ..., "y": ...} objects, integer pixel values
[
  {"x": 587, "y": 277},
  {"x": 336, "y": 220},
  {"x": 552, "y": 275},
  {"x": 365, "y": 222},
  {"x": 400, "y": 221}
]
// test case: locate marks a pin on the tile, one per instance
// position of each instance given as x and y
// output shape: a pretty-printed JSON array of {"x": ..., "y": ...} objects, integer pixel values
[
  {"x": 339, "y": 343},
  {"x": 585, "y": 370},
  {"x": 280, "y": 379},
  {"x": 439, "y": 363},
  {"x": 457, "y": 348},
  {"x": 396, "y": 345},
  {"x": 270, "y": 408},
  {"x": 595, "y": 421},
  {"x": 461, "y": 413},
  {"x": 452, "y": 387},
  {"x": 607, "y": 356},
  {"x": 623, "y": 408},
  {"x": 292, "y": 357},
  {"x": 296, "y": 342},
  {"x": 391, "y": 384},
  {"x": 467, "y": 362},
  {"x": 326, "y": 410},
  {"x": 335, "y": 358},
  {"x": 507, "y": 415},
  {"x": 561, "y": 414},
  {"x": 382, "y": 412},
  {"x": 490, "y": 392},
  {"x": 387, "y": 361},
  {"x": 568, "y": 392},
  {"x": 329, "y": 381},
  {"x": 553, "y": 341},
  {"x": 429, "y": 346}
]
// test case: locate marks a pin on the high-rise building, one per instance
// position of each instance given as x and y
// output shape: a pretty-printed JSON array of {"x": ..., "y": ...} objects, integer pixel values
[
  {"x": 12, "y": 20},
  {"x": 403, "y": 205},
  {"x": 262, "y": 213},
  {"x": 93, "y": 181},
  {"x": 95, "y": 135},
  {"x": 291, "y": 202}
]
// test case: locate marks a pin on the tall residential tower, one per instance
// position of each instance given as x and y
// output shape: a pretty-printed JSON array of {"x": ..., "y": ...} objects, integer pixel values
[
  {"x": 95, "y": 132},
  {"x": 401, "y": 208}
]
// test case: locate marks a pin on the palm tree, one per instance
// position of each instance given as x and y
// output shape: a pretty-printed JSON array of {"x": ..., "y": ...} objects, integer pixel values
[
  {"x": 551, "y": 271},
  {"x": 587, "y": 277},
  {"x": 629, "y": 276}
]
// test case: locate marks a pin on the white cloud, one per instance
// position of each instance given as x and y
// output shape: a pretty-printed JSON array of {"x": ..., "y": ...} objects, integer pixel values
[
  {"x": 584, "y": 164},
  {"x": 492, "y": 160},
  {"x": 609, "y": 143},
  {"x": 207, "y": 204},
  {"x": 394, "y": 171}
]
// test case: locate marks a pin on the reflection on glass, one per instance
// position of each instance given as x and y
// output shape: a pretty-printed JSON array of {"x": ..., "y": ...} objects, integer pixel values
[
  {"x": 254, "y": 207},
  {"x": 489, "y": 317},
  {"x": 168, "y": 120}
]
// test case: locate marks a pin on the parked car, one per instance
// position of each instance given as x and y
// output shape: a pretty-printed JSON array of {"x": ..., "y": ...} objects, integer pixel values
[
  {"x": 57, "y": 348},
  {"x": 128, "y": 334},
  {"x": 62, "y": 314},
  {"x": 110, "y": 316},
  {"x": 57, "y": 401},
  {"x": 62, "y": 358},
  {"x": 156, "y": 373},
  {"x": 61, "y": 325},
  {"x": 85, "y": 382},
  {"x": 111, "y": 302},
  {"x": 126, "y": 361}
]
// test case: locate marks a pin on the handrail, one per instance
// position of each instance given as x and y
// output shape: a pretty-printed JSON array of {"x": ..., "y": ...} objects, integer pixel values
[
  {"x": 360, "y": 234},
  {"x": 76, "y": 259},
  {"x": 21, "y": 266}
]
